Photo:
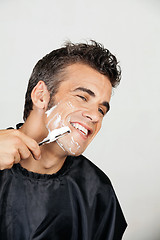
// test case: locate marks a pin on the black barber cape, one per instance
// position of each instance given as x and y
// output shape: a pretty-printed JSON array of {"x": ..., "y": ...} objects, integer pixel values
[{"x": 76, "y": 203}]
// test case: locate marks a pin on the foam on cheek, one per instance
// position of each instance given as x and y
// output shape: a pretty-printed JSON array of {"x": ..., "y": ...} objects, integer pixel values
[
  {"x": 55, "y": 121},
  {"x": 48, "y": 112},
  {"x": 73, "y": 145},
  {"x": 69, "y": 145},
  {"x": 70, "y": 105}
]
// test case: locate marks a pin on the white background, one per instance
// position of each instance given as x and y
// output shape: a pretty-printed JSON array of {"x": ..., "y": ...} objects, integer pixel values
[{"x": 127, "y": 148}]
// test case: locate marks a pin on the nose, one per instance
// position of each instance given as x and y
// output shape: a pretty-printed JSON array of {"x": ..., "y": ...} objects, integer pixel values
[{"x": 91, "y": 114}]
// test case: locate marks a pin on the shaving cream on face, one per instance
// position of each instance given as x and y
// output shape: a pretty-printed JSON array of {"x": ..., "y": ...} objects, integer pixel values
[
  {"x": 70, "y": 105},
  {"x": 48, "y": 112},
  {"x": 71, "y": 146},
  {"x": 56, "y": 121},
  {"x": 74, "y": 146}
]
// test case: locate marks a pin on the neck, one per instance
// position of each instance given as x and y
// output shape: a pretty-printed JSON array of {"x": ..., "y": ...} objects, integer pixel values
[
  {"x": 52, "y": 156},
  {"x": 48, "y": 164}
]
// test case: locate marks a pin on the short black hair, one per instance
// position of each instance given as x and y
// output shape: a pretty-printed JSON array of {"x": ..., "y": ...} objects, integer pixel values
[{"x": 50, "y": 67}]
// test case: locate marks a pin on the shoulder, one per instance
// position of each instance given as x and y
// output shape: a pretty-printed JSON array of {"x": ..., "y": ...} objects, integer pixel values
[
  {"x": 87, "y": 179},
  {"x": 83, "y": 168},
  {"x": 97, "y": 189}
]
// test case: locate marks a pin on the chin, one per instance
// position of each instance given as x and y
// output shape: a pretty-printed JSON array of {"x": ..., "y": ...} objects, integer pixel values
[
  {"x": 74, "y": 154},
  {"x": 71, "y": 148}
]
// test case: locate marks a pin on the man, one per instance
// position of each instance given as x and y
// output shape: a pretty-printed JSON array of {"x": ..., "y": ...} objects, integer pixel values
[{"x": 53, "y": 192}]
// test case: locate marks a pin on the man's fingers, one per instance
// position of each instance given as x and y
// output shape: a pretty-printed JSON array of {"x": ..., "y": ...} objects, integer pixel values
[
  {"x": 14, "y": 146},
  {"x": 31, "y": 144},
  {"x": 23, "y": 151},
  {"x": 7, "y": 160},
  {"x": 16, "y": 157}
]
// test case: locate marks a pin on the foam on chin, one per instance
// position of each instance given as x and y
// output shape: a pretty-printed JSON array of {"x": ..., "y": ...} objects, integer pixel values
[{"x": 71, "y": 147}]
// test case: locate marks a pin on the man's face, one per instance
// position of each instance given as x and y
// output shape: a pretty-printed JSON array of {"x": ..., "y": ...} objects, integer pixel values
[{"x": 80, "y": 103}]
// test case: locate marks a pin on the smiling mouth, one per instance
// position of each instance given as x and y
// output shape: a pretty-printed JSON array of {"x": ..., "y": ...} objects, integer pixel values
[{"x": 82, "y": 129}]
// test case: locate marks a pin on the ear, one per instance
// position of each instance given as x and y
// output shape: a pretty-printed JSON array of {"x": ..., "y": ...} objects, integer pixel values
[{"x": 40, "y": 95}]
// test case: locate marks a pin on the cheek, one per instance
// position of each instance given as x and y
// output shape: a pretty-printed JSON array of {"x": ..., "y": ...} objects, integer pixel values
[
  {"x": 54, "y": 122},
  {"x": 98, "y": 127},
  {"x": 56, "y": 117}
]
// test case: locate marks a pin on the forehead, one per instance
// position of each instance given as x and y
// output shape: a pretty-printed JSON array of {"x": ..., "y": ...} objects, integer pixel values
[{"x": 82, "y": 75}]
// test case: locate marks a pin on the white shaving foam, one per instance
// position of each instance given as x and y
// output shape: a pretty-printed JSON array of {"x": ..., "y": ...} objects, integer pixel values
[
  {"x": 56, "y": 120},
  {"x": 70, "y": 105},
  {"x": 48, "y": 112}
]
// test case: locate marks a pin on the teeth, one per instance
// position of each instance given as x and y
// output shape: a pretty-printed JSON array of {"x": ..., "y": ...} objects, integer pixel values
[{"x": 80, "y": 127}]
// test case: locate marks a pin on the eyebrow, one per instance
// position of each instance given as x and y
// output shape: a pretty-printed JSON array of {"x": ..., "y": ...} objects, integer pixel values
[
  {"x": 92, "y": 94},
  {"x": 85, "y": 90}
]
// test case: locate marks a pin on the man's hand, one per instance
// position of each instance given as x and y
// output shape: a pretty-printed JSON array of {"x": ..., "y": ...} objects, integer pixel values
[{"x": 14, "y": 146}]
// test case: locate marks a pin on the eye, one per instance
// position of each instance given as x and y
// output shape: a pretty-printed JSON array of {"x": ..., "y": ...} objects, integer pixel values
[
  {"x": 82, "y": 97},
  {"x": 101, "y": 111}
]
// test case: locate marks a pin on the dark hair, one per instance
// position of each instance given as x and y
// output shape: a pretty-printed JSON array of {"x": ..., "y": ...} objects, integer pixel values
[{"x": 50, "y": 68}]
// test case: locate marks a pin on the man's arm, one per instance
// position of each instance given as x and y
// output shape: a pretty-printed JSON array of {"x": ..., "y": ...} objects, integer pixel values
[{"x": 14, "y": 146}]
